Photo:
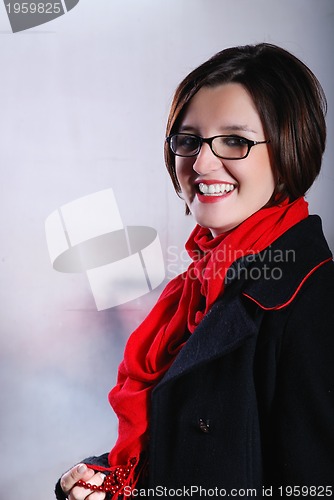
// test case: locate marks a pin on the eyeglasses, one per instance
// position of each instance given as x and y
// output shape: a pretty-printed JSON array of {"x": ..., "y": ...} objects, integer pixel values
[{"x": 228, "y": 147}]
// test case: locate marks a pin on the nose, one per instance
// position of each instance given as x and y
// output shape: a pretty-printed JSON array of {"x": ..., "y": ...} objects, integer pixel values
[{"x": 206, "y": 161}]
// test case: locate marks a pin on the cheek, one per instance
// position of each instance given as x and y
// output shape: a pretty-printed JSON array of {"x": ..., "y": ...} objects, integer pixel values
[
  {"x": 258, "y": 177},
  {"x": 184, "y": 170},
  {"x": 266, "y": 180}
]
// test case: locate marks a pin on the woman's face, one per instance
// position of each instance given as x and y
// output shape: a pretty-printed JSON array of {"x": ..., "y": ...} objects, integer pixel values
[{"x": 226, "y": 109}]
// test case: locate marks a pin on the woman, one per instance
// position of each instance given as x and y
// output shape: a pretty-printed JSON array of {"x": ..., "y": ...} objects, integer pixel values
[{"x": 227, "y": 388}]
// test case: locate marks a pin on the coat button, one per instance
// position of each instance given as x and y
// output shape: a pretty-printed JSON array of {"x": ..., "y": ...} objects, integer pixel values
[{"x": 204, "y": 425}]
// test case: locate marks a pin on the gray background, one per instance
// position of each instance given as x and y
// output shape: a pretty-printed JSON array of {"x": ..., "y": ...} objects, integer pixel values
[{"x": 77, "y": 96}]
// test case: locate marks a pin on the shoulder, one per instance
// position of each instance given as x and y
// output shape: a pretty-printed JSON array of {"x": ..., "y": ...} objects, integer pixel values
[
  {"x": 300, "y": 331},
  {"x": 310, "y": 318}
]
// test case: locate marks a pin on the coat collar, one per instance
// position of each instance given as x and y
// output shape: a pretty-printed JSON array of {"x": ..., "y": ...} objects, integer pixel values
[{"x": 275, "y": 275}]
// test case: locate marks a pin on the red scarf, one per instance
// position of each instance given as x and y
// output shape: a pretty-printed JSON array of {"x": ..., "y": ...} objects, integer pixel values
[{"x": 153, "y": 346}]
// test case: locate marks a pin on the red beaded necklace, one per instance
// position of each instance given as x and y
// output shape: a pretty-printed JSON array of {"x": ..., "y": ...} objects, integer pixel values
[{"x": 114, "y": 481}]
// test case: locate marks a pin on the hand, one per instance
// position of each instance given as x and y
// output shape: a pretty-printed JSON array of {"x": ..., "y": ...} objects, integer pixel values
[{"x": 81, "y": 471}]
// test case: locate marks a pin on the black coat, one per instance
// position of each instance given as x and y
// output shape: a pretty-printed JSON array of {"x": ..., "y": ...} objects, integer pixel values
[{"x": 249, "y": 401}]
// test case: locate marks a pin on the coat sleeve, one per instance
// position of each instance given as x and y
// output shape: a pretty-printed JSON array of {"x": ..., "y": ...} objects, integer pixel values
[
  {"x": 302, "y": 413},
  {"x": 101, "y": 460}
]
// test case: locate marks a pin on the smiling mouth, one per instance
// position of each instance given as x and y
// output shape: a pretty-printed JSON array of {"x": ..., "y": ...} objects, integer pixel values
[{"x": 215, "y": 189}]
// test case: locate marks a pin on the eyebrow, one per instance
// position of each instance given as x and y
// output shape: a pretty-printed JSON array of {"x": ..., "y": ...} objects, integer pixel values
[{"x": 230, "y": 128}]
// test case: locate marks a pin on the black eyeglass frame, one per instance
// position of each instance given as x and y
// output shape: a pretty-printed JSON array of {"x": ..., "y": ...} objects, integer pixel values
[{"x": 208, "y": 140}]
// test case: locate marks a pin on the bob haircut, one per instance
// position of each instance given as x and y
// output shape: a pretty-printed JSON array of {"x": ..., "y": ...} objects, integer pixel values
[{"x": 289, "y": 100}]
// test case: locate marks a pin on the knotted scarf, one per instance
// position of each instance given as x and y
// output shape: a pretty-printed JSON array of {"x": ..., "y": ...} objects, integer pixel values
[{"x": 153, "y": 346}]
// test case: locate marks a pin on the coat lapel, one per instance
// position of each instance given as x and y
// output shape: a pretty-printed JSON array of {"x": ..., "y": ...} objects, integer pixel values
[{"x": 222, "y": 330}]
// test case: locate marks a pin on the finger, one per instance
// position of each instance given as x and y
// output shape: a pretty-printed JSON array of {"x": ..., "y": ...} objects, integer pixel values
[
  {"x": 80, "y": 493},
  {"x": 70, "y": 478},
  {"x": 98, "y": 479},
  {"x": 97, "y": 495}
]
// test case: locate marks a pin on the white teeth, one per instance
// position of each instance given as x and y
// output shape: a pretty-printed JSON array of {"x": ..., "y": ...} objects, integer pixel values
[{"x": 215, "y": 189}]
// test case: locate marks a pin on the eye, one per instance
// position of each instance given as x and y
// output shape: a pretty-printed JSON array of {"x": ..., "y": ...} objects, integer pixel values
[
  {"x": 234, "y": 141},
  {"x": 186, "y": 143}
]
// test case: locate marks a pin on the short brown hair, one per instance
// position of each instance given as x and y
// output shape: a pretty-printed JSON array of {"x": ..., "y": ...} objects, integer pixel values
[{"x": 289, "y": 99}]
